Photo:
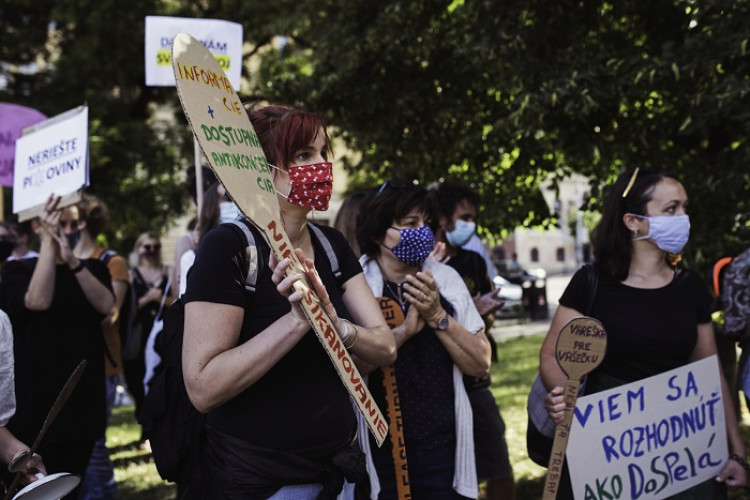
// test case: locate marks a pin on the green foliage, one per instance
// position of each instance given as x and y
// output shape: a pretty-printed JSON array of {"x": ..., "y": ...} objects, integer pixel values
[
  {"x": 501, "y": 93},
  {"x": 98, "y": 60},
  {"x": 498, "y": 94}
]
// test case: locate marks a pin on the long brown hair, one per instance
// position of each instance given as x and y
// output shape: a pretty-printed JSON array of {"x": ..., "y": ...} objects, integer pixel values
[{"x": 611, "y": 239}]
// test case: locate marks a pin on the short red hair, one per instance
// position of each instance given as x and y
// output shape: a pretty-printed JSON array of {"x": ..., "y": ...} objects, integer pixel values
[{"x": 284, "y": 130}]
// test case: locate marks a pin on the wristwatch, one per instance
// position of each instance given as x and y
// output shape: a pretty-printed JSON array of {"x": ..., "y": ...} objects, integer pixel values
[{"x": 442, "y": 323}]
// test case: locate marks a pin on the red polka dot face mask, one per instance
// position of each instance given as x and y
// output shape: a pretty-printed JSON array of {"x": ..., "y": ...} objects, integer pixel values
[{"x": 311, "y": 185}]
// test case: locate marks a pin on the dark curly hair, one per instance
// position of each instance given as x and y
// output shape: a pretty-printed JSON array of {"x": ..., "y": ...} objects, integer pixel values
[{"x": 394, "y": 200}]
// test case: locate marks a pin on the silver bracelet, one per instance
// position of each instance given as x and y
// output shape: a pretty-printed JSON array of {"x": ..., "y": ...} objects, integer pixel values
[{"x": 347, "y": 331}]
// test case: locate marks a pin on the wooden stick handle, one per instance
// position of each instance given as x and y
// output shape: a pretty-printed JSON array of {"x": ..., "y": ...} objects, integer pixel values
[{"x": 562, "y": 432}]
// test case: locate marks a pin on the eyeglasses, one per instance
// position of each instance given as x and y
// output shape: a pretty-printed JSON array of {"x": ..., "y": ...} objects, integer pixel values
[
  {"x": 72, "y": 224},
  {"x": 395, "y": 184},
  {"x": 152, "y": 248}
]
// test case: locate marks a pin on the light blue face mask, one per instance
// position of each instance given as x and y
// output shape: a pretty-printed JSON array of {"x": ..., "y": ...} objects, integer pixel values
[
  {"x": 228, "y": 212},
  {"x": 461, "y": 233},
  {"x": 669, "y": 232}
]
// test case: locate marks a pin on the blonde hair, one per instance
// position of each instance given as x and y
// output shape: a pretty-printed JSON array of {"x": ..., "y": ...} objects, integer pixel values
[{"x": 147, "y": 235}]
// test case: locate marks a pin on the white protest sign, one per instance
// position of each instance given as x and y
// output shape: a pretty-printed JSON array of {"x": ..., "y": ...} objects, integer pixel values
[
  {"x": 222, "y": 38},
  {"x": 652, "y": 438},
  {"x": 53, "y": 158}
]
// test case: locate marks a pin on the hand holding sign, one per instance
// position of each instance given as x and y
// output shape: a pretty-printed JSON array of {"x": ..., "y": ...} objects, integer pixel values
[
  {"x": 580, "y": 348},
  {"x": 228, "y": 139}
]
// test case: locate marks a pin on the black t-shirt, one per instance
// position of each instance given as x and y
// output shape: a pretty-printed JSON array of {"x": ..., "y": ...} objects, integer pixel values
[
  {"x": 300, "y": 404},
  {"x": 649, "y": 331},
  {"x": 48, "y": 345},
  {"x": 473, "y": 270}
]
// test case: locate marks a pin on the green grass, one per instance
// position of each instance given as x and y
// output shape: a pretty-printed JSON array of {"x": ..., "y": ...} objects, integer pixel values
[{"x": 512, "y": 376}]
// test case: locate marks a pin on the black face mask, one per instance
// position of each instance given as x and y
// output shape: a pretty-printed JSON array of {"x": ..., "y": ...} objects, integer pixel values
[
  {"x": 73, "y": 239},
  {"x": 6, "y": 248}
]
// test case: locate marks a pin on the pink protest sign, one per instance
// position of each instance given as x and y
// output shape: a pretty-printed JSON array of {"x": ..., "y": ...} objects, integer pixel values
[{"x": 13, "y": 119}]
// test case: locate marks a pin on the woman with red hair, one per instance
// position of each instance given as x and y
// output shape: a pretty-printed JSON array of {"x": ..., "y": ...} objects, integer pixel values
[{"x": 279, "y": 422}]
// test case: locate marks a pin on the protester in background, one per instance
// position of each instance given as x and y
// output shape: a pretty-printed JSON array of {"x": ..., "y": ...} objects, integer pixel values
[
  {"x": 458, "y": 205},
  {"x": 150, "y": 280},
  {"x": 217, "y": 208},
  {"x": 656, "y": 314},
  {"x": 56, "y": 303},
  {"x": 10, "y": 447},
  {"x": 250, "y": 361},
  {"x": 735, "y": 299},
  {"x": 7, "y": 242},
  {"x": 100, "y": 477},
  {"x": 441, "y": 339},
  {"x": 346, "y": 219},
  {"x": 25, "y": 236},
  {"x": 475, "y": 245},
  {"x": 189, "y": 241}
]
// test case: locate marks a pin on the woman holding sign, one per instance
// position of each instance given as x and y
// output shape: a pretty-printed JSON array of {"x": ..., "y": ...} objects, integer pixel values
[
  {"x": 280, "y": 423},
  {"x": 656, "y": 315},
  {"x": 441, "y": 339}
]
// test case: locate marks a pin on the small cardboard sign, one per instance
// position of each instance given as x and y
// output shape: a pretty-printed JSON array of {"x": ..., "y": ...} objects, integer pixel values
[
  {"x": 580, "y": 348},
  {"x": 222, "y": 38},
  {"x": 51, "y": 157},
  {"x": 392, "y": 312},
  {"x": 652, "y": 438},
  {"x": 234, "y": 152},
  {"x": 394, "y": 316}
]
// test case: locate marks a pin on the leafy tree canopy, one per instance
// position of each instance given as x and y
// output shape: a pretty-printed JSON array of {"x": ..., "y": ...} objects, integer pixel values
[{"x": 497, "y": 94}]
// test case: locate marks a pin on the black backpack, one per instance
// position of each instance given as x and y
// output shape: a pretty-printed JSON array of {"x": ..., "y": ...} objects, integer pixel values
[
  {"x": 131, "y": 329},
  {"x": 169, "y": 419}
]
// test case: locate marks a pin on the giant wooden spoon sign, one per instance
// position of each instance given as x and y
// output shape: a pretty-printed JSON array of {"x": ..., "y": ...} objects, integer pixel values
[
  {"x": 227, "y": 137},
  {"x": 580, "y": 348}
]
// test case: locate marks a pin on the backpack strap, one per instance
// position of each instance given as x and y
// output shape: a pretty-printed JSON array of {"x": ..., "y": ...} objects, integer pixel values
[
  {"x": 718, "y": 273},
  {"x": 255, "y": 259},
  {"x": 255, "y": 263},
  {"x": 107, "y": 255},
  {"x": 332, "y": 258}
]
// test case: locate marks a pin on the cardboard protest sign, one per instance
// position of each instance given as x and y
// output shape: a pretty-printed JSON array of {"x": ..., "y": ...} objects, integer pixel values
[
  {"x": 53, "y": 157},
  {"x": 13, "y": 119},
  {"x": 650, "y": 439},
  {"x": 394, "y": 316},
  {"x": 228, "y": 140},
  {"x": 222, "y": 38},
  {"x": 580, "y": 348}
]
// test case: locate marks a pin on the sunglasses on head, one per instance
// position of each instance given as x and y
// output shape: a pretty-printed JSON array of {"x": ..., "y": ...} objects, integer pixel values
[
  {"x": 150, "y": 248},
  {"x": 392, "y": 184}
]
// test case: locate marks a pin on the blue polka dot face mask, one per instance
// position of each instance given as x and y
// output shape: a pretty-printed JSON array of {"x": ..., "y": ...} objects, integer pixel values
[{"x": 415, "y": 245}]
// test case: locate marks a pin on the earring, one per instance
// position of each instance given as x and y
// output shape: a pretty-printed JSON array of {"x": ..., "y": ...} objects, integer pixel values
[{"x": 635, "y": 233}]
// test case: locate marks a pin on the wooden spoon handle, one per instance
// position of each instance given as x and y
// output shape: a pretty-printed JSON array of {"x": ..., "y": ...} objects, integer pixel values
[{"x": 562, "y": 433}]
